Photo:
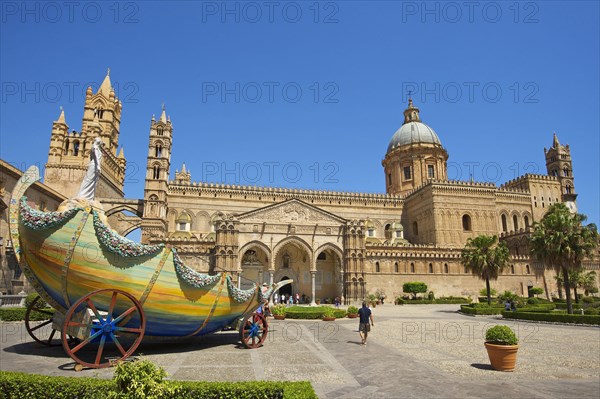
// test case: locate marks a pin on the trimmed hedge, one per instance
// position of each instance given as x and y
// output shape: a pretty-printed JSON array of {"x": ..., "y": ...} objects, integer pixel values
[
  {"x": 554, "y": 317},
  {"x": 478, "y": 309},
  {"x": 18, "y": 314},
  {"x": 438, "y": 301},
  {"x": 312, "y": 312},
  {"x": 22, "y": 385}
]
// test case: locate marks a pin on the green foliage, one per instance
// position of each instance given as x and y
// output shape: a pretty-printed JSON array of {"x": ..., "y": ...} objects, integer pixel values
[
  {"x": 399, "y": 301},
  {"x": 483, "y": 292},
  {"x": 588, "y": 299},
  {"x": 279, "y": 309},
  {"x": 328, "y": 312},
  {"x": 466, "y": 309},
  {"x": 32, "y": 386},
  {"x": 431, "y": 296},
  {"x": 486, "y": 257},
  {"x": 312, "y": 312},
  {"x": 352, "y": 310},
  {"x": 478, "y": 309},
  {"x": 561, "y": 241},
  {"x": 139, "y": 380},
  {"x": 18, "y": 314},
  {"x": 414, "y": 287},
  {"x": 501, "y": 335},
  {"x": 592, "y": 311},
  {"x": 536, "y": 291},
  {"x": 41, "y": 304},
  {"x": 507, "y": 296},
  {"x": 533, "y": 301},
  {"x": 553, "y": 317}
]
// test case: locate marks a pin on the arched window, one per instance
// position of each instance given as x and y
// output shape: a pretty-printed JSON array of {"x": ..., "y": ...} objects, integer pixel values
[
  {"x": 389, "y": 179},
  {"x": 565, "y": 172},
  {"x": 322, "y": 256},
  {"x": 396, "y": 267},
  {"x": 430, "y": 171},
  {"x": 526, "y": 220},
  {"x": 415, "y": 228},
  {"x": 67, "y": 147},
  {"x": 527, "y": 269},
  {"x": 412, "y": 267},
  {"x": 446, "y": 268},
  {"x": 159, "y": 131},
  {"x": 76, "y": 148},
  {"x": 388, "y": 231},
  {"x": 515, "y": 222},
  {"x": 158, "y": 151},
  {"x": 466, "y": 222},
  {"x": 156, "y": 172},
  {"x": 431, "y": 268},
  {"x": 512, "y": 269},
  {"x": 568, "y": 189},
  {"x": 504, "y": 225},
  {"x": 377, "y": 267}
]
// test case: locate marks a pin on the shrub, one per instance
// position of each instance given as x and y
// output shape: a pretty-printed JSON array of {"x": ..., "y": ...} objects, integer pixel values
[
  {"x": 501, "y": 335},
  {"x": 592, "y": 311},
  {"x": 536, "y": 291},
  {"x": 431, "y": 296},
  {"x": 588, "y": 299},
  {"x": 313, "y": 312},
  {"x": 532, "y": 301},
  {"x": 399, "y": 301},
  {"x": 415, "y": 287},
  {"x": 352, "y": 310},
  {"x": 507, "y": 296},
  {"x": 141, "y": 379},
  {"x": 41, "y": 304},
  {"x": 554, "y": 317},
  {"x": 279, "y": 310},
  {"x": 18, "y": 314},
  {"x": 466, "y": 309},
  {"x": 483, "y": 292},
  {"x": 328, "y": 312}
]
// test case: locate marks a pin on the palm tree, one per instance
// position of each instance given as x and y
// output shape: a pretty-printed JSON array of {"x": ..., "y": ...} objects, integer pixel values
[
  {"x": 484, "y": 256},
  {"x": 562, "y": 242},
  {"x": 589, "y": 282}
]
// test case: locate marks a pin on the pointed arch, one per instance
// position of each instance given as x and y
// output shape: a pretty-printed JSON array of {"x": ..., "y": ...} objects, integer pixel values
[{"x": 297, "y": 240}]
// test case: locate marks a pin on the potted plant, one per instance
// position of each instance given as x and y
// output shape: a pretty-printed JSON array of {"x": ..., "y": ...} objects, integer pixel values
[
  {"x": 372, "y": 300},
  {"x": 318, "y": 301},
  {"x": 279, "y": 311},
  {"x": 328, "y": 314},
  {"x": 501, "y": 344},
  {"x": 352, "y": 312}
]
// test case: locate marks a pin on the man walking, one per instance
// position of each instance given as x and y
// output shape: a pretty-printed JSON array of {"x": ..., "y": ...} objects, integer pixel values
[{"x": 364, "y": 327}]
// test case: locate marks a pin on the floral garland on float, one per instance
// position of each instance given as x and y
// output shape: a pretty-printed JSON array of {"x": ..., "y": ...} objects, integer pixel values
[
  {"x": 39, "y": 220},
  {"x": 192, "y": 277},
  {"x": 121, "y": 245}
]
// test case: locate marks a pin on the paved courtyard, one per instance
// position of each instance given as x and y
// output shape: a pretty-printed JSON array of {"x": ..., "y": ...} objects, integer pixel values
[{"x": 420, "y": 351}]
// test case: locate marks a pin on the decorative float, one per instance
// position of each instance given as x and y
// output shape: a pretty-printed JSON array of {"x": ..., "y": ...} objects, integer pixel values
[{"x": 109, "y": 292}]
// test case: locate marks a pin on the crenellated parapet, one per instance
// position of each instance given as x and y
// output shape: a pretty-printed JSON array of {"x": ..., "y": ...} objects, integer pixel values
[
  {"x": 522, "y": 181},
  {"x": 281, "y": 194}
]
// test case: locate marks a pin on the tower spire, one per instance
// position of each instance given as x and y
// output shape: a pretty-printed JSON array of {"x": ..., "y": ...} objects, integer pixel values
[
  {"x": 163, "y": 115},
  {"x": 106, "y": 86},
  {"x": 61, "y": 117},
  {"x": 555, "y": 142},
  {"x": 411, "y": 114}
]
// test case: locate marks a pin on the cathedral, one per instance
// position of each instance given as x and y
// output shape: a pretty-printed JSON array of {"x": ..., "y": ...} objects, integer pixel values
[{"x": 332, "y": 244}]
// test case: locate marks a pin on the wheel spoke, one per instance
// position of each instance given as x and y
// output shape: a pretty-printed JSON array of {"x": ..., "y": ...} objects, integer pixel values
[
  {"x": 111, "y": 308},
  {"x": 124, "y": 314},
  {"x": 41, "y": 325},
  {"x": 113, "y": 336},
  {"x": 86, "y": 341},
  {"x": 93, "y": 307},
  {"x": 100, "y": 349},
  {"x": 128, "y": 329},
  {"x": 51, "y": 336}
]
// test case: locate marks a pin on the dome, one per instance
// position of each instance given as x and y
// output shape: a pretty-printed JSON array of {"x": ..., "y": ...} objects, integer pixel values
[{"x": 412, "y": 133}]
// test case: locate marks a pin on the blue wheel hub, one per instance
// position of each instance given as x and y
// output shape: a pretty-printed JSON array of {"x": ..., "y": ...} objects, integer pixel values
[{"x": 254, "y": 329}]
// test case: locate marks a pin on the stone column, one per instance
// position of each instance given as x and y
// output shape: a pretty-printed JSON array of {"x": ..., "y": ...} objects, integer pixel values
[
  {"x": 313, "y": 275},
  {"x": 270, "y": 285},
  {"x": 239, "y": 280}
]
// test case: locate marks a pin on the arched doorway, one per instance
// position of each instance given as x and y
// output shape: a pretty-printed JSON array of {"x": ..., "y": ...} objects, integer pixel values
[{"x": 287, "y": 289}]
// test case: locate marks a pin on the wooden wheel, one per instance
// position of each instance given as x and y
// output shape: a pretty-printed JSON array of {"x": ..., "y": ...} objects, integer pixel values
[
  {"x": 44, "y": 332},
  {"x": 253, "y": 330},
  {"x": 110, "y": 325}
]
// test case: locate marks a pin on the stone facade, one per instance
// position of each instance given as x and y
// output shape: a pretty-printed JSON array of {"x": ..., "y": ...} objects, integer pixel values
[{"x": 332, "y": 244}]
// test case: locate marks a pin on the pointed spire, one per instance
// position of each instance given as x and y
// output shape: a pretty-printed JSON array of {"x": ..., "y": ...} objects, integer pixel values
[
  {"x": 183, "y": 170},
  {"x": 61, "y": 117},
  {"x": 106, "y": 86},
  {"x": 121, "y": 154},
  {"x": 555, "y": 142},
  {"x": 163, "y": 116}
]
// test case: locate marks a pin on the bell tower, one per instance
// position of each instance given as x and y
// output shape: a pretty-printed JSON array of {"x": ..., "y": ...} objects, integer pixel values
[
  {"x": 560, "y": 165},
  {"x": 154, "y": 222},
  {"x": 69, "y": 152}
]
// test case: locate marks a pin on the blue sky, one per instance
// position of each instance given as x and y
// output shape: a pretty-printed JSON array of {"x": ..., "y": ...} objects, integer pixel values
[{"x": 308, "y": 94}]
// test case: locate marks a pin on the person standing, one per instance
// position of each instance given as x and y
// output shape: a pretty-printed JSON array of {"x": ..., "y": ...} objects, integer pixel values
[{"x": 365, "y": 316}]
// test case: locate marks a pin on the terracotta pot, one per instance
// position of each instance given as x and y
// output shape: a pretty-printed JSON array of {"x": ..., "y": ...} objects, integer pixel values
[
  {"x": 279, "y": 316},
  {"x": 502, "y": 357},
  {"x": 352, "y": 316},
  {"x": 328, "y": 318}
]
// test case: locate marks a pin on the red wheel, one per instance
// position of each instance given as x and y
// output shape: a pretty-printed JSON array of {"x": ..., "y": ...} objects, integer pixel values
[
  {"x": 253, "y": 330},
  {"x": 42, "y": 331},
  {"x": 110, "y": 325}
]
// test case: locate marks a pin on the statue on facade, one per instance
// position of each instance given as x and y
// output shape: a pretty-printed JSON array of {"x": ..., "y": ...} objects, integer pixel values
[{"x": 87, "y": 190}]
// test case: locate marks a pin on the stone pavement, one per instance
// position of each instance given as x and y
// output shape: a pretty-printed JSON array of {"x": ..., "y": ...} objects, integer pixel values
[{"x": 426, "y": 351}]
